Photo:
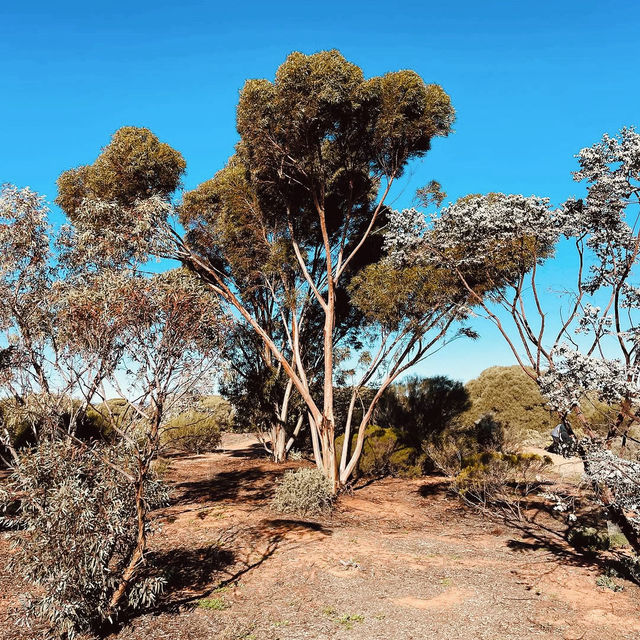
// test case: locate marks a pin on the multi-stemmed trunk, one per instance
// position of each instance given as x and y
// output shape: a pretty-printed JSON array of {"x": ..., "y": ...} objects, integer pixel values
[{"x": 278, "y": 442}]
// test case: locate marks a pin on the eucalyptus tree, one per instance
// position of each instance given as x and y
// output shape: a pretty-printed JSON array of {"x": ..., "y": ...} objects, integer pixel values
[
  {"x": 39, "y": 372},
  {"x": 290, "y": 219},
  {"x": 75, "y": 333},
  {"x": 585, "y": 349},
  {"x": 171, "y": 356}
]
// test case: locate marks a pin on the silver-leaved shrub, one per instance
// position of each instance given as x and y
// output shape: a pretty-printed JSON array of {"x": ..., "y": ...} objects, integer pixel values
[{"x": 72, "y": 511}]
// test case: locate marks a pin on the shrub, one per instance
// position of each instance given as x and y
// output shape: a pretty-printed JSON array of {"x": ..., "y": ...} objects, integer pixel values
[
  {"x": 490, "y": 477},
  {"x": 514, "y": 399},
  {"x": 383, "y": 453},
  {"x": 445, "y": 455},
  {"x": 447, "y": 451},
  {"x": 418, "y": 408},
  {"x": 75, "y": 531},
  {"x": 25, "y": 420},
  {"x": 199, "y": 429},
  {"x": 303, "y": 492},
  {"x": 118, "y": 411},
  {"x": 489, "y": 433},
  {"x": 193, "y": 432},
  {"x": 592, "y": 539}
]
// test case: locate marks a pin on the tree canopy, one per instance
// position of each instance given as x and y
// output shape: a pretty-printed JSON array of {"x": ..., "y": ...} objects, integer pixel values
[{"x": 281, "y": 232}]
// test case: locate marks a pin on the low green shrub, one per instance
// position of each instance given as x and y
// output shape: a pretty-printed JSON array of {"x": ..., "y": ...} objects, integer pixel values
[
  {"x": 214, "y": 604},
  {"x": 592, "y": 539},
  {"x": 383, "y": 453},
  {"x": 199, "y": 429},
  {"x": 489, "y": 433},
  {"x": 447, "y": 452},
  {"x": 588, "y": 539},
  {"x": 193, "y": 432},
  {"x": 606, "y": 581},
  {"x": 24, "y": 420},
  {"x": 303, "y": 492},
  {"x": 489, "y": 476}
]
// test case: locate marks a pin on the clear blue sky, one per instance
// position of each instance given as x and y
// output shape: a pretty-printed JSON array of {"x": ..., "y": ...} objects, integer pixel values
[{"x": 532, "y": 83}]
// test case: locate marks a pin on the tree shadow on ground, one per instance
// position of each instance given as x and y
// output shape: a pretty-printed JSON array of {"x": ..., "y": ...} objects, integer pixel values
[
  {"x": 552, "y": 538},
  {"x": 251, "y": 484},
  {"x": 194, "y": 574},
  {"x": 439, "y": 487},
  {"x": 253, "y": 452},
  {"x": 543, "y": 528},
  {"x": 282, "y": 526},
  {"x": 191, "y": 569},
  {"x": 191, "y": 584}
]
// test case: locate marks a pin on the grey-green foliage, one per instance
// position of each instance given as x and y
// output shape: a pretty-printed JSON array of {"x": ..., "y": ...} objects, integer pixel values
[
  {"x": 303, "y": 492},
  {"x": 592, "y": 539},
  {"x": 513, "y": 398},
  {"x": 74, "y": 531},
  {"x": 488, "y": 433},
  {"x": 24, "y": 419},
  {"x": 492, "y": 477},
  {"x": 199, "y": 429}
]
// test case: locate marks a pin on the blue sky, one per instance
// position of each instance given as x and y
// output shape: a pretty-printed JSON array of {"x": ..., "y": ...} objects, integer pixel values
[{"x": 532, "y": 83}]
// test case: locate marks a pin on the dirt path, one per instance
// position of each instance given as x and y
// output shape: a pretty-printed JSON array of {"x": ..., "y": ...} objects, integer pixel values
[
  {"x": 565, "y": 469},
  {"x": 399, "y": 560}
]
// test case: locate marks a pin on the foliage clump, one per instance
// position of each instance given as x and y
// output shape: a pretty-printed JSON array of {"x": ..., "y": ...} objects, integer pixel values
[
  {"x": 383, "y": 453},
  {"x": 304, "y": 492},
  {"x": 514, "y": 398},
  {"x": 491, "y": 476},
  {"x": 592, "y": 539},
  {"x": 75, "y": 531},
  {"x": 199, "y": 429},
  {"x": 482, "y": 469},
  {"x": 489, "y": 433},
  {"x": 419, "y": 408},
  {"x": 23, "y": 419}
]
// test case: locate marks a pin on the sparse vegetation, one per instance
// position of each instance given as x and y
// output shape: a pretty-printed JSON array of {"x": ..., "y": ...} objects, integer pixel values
[
  {"x": 213, "y": 604},
  {"x": 305, "y": 492},
  {"x": 383, "y": 453},
  {"x": 288, "y": 283},
  {"x": 493, "y": 477},
  {"x": 199, "y": 429}
]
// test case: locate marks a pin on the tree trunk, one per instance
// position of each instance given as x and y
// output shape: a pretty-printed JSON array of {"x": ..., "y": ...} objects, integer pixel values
[
  {"x": 327, "y": 442},
  {"x": 278, "y": 442},
  {"x": 137, "y": 557}
]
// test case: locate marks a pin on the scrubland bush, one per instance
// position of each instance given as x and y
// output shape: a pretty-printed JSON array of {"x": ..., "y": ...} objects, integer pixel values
[
  {"x": 491, "y": 477},
  {"x": 489, "y": 433},
  {"x": 24, "y": 419},
  {"x": 75, "y": 532},
  {"x": 193, "y": 432},
  {"x": 303, "y": 492},
  {"x": 447, "y": 450},
  {"x": 514, "y": 399},
  {"x": 592, "y": 539},
  {"x": 199, "y": 429},
  {"x": 116, "y": 412},
  {"x": 420, "y": 408},
  {"x": 384, "y": 453},
  {"x": 481, "y": 471}
]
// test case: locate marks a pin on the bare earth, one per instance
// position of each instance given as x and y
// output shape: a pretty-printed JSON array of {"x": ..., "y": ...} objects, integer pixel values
[{"x": 400, "y": 559}]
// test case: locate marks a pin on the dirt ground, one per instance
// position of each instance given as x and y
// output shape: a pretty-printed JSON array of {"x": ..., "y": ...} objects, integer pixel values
[{"x": 399, "y": 559}]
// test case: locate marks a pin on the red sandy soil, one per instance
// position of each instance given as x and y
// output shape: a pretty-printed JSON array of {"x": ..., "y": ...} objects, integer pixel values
[{"x": 398, "y": 559}]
